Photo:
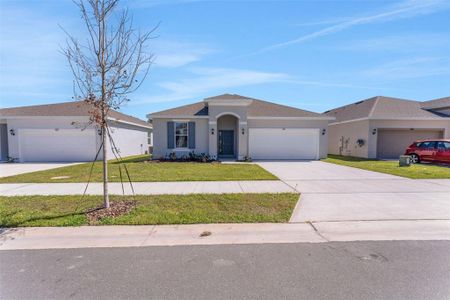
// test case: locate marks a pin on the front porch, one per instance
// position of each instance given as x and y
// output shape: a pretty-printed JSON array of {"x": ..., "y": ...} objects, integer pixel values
[{"x": 227, "y": 137}]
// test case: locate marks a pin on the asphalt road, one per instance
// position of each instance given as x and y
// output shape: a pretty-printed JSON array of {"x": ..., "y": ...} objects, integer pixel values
[{"x": 351, "y": 270}]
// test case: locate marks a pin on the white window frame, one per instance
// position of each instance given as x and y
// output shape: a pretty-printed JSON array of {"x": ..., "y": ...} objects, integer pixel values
[{"x": 175, "y": 135}]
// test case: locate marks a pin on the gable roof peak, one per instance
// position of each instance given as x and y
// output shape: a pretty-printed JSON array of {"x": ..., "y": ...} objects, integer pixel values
[{"x": 227, "y": 96}]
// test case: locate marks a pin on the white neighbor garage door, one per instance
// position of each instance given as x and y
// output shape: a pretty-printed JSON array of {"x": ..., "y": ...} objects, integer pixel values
[
  {"x": 56, "y": 145},
  {"x": 284, "y": 143}
]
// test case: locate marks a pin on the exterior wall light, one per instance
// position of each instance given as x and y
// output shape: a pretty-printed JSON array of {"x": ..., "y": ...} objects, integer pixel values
[
  {"x": 243, "y": 130},
  {"x": 212, "y": 131},
  {"x": 374, "y": 131},
  {"x": 324, "y": 131},
  {"x": 99, "y": 131},
  {"x": 12, "y": 132}
]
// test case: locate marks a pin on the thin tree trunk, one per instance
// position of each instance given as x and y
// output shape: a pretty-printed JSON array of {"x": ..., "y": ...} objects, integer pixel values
[
  {"x": 105, "y": 167},
  {"x": 104, "y": 113}
]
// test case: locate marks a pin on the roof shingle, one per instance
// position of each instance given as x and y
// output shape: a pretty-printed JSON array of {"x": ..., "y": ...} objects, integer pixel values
[
  {"x": 75, "y": 108},
  {"x": 381, "y": 107},
  {"x": 195, "y": 109},
  {"x": 257, "y": 108},
  {"x": 358, "y": 110},
  {"x": 437, "y": 103}
]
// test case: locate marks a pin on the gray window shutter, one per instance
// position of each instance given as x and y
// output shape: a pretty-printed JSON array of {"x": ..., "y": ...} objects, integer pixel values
[
  {"x": 191, "y": 135},
  {"x": 170, "y": 135}
]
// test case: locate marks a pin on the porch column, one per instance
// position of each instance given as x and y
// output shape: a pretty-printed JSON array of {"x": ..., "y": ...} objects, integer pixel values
[
  {"x": 242, "y": 132},
  {"x": 212, "y": 137}
]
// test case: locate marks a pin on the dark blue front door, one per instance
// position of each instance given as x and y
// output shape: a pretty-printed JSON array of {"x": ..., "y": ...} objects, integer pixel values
[
  {"x": 4, "y": 142},
  {"x": 226, "y": 142}
]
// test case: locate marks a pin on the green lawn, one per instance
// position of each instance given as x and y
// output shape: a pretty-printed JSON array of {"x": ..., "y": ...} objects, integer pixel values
[
  {"x": 165, "y": 209},
  {"x": 141, "y": 170},
  {"x": 416, "y": 171}
]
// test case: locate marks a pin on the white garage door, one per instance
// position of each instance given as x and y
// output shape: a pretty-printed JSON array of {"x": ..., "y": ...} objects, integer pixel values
[
  {"x": 56, "y": 145},
  {"x": 284, "y": 143}
]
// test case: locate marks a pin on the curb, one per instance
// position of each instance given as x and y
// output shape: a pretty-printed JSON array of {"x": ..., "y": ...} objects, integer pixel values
[{"x": 221, "y": 234}]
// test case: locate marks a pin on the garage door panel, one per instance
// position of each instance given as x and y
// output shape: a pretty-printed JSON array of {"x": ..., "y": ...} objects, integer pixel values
[
  {"x": 279, "y": 143},
  {"x": 57, "y": 145},
  {"x": 391, "y": 143}
]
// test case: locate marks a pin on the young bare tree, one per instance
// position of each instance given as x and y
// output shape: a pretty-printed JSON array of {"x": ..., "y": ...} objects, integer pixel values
[{"x": 110, "y": 65}]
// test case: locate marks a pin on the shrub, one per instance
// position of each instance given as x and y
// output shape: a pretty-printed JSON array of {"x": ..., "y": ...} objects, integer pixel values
[{"x": 190, "y": 157}]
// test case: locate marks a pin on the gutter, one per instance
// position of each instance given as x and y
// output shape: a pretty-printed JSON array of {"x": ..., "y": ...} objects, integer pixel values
[{"x": 392, "y": 119}]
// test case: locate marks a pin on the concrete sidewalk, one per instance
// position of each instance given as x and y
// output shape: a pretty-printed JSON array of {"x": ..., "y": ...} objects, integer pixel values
[
  {"x": 263, "y": 233},
  {"x": 148, "y": 188}
]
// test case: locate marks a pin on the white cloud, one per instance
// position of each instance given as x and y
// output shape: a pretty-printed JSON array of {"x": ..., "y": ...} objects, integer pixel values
[
  {"x": 210, "y": 79},
  {"x": 206, "y": 81},
  {"x": 328, "y": 84},
  {"x": 411, "y": 68},
  {"x": 172, "y": 54},
  {"x": 406, "y": 9},
  {"x": 321, "y": 22},
  {"x": 401, "y": 43}
]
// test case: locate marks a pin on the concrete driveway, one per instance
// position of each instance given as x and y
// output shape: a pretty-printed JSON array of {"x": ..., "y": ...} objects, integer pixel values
[
  {"x": 339, "y": 193},
  {"x": 11, "y": 169}
]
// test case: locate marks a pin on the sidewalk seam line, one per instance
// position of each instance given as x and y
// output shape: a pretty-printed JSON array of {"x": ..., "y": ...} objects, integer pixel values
[
  {"x": 290, "y": 186},
  {"x": 317, "y": 231},
  {"x": 240, "y": 186},
  {"x": 150, "y": 233}
]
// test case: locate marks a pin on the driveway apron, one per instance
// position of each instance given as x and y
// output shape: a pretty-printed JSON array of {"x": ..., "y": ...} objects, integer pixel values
[
  {"x": 332, "y": 192},
  {"x": 11, "y": 169}
]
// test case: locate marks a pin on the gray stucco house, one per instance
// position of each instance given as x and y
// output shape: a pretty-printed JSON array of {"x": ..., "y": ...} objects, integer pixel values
[
  {"x": 234, "y": 126},
  {"x": 383, "y": 127},
  {"x": 63, "y": 132}
]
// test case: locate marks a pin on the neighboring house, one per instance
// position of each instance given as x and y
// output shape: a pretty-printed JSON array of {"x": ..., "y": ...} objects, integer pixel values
[
  {"x": 383, "y": 127},
  {"x": 62, "y": 132},
  {"x": 234, "y": 126}
]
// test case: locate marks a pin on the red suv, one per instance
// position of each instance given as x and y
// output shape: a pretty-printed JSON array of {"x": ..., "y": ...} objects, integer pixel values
[{"x": 429, "y": 150}]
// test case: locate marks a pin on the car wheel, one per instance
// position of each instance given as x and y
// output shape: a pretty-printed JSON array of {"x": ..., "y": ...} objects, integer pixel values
[{"x": 415, "y": 159}]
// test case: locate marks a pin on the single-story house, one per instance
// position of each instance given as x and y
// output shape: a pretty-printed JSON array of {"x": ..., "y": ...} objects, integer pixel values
[
  {"x": 383, "y": 127},
  {"x": 62, "y": 132},
  {"x": 236, "y": 127}
]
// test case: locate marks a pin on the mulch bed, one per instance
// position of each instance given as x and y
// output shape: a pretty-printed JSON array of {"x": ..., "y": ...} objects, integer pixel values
[{"x": 116, "y": 209}]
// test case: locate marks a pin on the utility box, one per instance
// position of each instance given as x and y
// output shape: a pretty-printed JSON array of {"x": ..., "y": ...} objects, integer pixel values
[{"x": 404, "y": 161}]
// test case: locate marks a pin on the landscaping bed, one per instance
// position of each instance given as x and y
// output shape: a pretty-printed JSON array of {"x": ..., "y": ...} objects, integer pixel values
[
  {"x": 142, "y": 169},
  {"x": 20, "y": 211},
  {"x": 415, "y": 171}
]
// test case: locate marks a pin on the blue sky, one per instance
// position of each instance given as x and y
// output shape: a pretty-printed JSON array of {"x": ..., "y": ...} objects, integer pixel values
[{"x": 314, "y": 55}]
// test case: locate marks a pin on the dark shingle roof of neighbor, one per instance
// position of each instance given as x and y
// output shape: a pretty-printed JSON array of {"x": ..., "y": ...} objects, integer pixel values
[
  {"x": 75, "y": 108},
  {"x": 383, "y": 107},
  {"x": 437, "y": 103},
  {"x": 257, "y": 108}
]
